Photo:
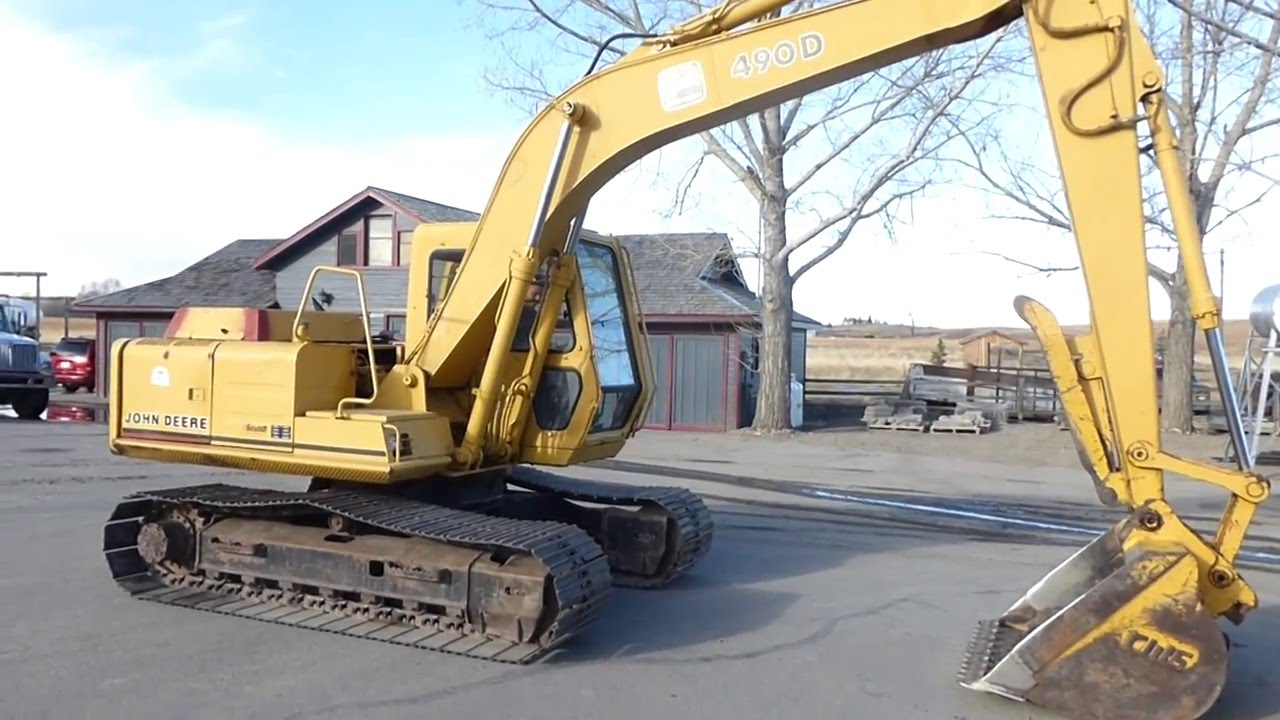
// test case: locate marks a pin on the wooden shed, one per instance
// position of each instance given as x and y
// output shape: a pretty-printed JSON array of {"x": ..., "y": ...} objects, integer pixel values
[{"x": 994, "y": 347}]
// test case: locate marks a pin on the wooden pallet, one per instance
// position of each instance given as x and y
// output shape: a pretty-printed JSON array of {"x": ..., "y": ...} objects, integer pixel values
[{"x": 898, "y": 426}]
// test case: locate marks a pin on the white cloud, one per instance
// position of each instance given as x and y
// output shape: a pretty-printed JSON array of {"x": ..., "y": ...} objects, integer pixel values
[
  {"x": 110, "y": 177},
  {"x": 105, "y": 175}
]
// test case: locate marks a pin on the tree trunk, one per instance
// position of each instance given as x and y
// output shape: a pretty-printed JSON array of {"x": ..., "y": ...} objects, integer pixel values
[
  {"x": 1179, "y": 360},
  {"x": 773, "y": 403}
]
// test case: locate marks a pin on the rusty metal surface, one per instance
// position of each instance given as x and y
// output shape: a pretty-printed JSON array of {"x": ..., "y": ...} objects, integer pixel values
[
  {"x": 1130, "y": 675},
  {"x": 442, "y": 578},
  {"x": 636, "y": 557},
  {"x": 1133, "y": 643},
  {"x": 575, "y": 571}
]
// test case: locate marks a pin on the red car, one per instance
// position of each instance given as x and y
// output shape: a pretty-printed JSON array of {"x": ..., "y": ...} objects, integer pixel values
[{"x": 73, "y": 366}]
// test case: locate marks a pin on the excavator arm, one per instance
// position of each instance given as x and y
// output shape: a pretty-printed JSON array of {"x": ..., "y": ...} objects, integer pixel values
[
  {"x": 1126, "y": 627},
  {"x": 670, "y": 87}
]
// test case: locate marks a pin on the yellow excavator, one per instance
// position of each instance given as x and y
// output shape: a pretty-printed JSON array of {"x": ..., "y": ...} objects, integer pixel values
[{"x": 429, "y": 521}]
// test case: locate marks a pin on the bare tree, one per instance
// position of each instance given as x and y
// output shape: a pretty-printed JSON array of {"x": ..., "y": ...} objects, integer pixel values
[
  {"x": 98, "y": 287},
  {"x": 856, "y": 152},
  {"x": 1219, "y": 58}
]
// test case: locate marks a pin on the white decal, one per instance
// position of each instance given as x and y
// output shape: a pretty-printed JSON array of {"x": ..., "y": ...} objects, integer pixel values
[
  {"x": 680, "y": 86},
  {"x": 182, "y": 422},
  {"x": 160, "y": 376},
  {"x": 807, "y": 47}
]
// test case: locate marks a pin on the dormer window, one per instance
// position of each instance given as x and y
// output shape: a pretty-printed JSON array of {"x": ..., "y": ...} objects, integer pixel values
[
  {"x": 374, "y": 241},
  {"x": 380, "y": 244}
]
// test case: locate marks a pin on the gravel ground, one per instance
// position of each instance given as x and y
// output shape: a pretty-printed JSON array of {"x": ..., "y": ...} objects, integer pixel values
[{"x": 853, "y": 601}]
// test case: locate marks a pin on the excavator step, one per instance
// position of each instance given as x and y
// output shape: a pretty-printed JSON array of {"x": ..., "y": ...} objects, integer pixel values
[
  {"x": 576, "y": 571},
  {"x": 684, "y": 510}
]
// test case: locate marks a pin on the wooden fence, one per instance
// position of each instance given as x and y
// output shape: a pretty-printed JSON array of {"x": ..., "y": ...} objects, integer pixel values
[{"x": 1028, "y": 393}]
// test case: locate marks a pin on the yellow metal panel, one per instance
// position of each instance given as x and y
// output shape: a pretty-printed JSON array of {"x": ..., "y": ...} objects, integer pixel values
[
  {"x": 166, "y": 388},
  {"x": 418, "y": 441},
  {"x": 357, "y": 440},
  {"x": 427, "y": 238},
  {"x": 325, "y": 374},
  {"x": 255, "y": 399}
]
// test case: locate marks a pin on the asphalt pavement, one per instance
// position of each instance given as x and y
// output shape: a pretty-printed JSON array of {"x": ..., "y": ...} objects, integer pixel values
[{"x": 853, "y": 602}]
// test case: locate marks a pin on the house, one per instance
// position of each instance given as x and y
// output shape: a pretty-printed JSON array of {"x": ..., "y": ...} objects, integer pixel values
[
  {"x": 701, "y": 317},
  {"x": 991, "y": 347},
  {"x": 703, "y": 323},
  {"x": 225, "y": 278}
]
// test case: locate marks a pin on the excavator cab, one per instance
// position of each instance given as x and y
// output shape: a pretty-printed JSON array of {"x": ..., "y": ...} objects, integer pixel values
[{"x": 594, "y": 385}]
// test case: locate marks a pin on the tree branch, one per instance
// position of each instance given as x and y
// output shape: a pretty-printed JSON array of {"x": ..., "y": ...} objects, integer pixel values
[
  {"x": 1266, "y": 47},
  {"x": 1271, "y": 14},
  {"x": 745, "y": 175},
  {"x": 909, "y": 154},
  {"x": 1045, "y": 269},
  {"x": 1161, "y": 276},
  {"x": 1237, "y": 130}
]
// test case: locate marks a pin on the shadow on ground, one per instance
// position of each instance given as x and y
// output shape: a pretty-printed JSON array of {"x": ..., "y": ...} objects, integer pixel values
[
  {"x": 723, "y": 597},
  {"x": 759, "y": 541},
  {"x": 1250, "y": 692}
]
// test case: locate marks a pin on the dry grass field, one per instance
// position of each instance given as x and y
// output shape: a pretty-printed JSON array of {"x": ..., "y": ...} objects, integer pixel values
[
  {"x": 847, "y": 353},
  {"x": 53, "y": 328}
]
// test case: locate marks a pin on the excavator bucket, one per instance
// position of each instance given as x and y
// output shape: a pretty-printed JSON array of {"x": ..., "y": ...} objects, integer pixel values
[{"x": 1118, "y": 631}]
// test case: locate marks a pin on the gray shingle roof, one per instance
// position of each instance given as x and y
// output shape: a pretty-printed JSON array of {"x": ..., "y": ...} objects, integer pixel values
[
  {"x": 225, "y": 278},
  {"x": 427, "y": 211},
  {"x": 676, "y": 273},
  {"x": 691, "y": 274},
  {"x": 685, "y": 274}
]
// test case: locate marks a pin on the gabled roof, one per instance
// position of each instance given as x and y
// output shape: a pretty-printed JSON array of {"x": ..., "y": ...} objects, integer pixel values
[
  {"x": 1018, "y": 337},
  {"x": 422, "y": 210},
  {"x": 692, "y": 274},
  {"x": 225, "y": 278},
  {"x": 678, "y": 275}
]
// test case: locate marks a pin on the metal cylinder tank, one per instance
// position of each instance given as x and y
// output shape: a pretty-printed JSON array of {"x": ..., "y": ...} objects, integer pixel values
[{"x": 1266, "y": 311}]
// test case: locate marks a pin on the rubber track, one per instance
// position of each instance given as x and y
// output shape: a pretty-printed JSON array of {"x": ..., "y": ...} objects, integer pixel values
[
  {"x": 691, "y": 514},
  {"x": 576, "y": 563}
]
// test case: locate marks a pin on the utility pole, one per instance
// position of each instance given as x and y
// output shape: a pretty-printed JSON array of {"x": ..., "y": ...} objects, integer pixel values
[{"x": 1222, "y": 274}]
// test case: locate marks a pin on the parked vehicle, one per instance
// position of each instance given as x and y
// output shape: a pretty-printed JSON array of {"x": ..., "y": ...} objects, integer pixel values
[
  {"x": 73, "y": 363},
  {"x": 22, "y": 315},
  {"x": 22, "y": 382}
]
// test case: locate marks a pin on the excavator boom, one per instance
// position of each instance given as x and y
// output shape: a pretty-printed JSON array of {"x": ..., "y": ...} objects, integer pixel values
[{"x": 525, "y": 347}]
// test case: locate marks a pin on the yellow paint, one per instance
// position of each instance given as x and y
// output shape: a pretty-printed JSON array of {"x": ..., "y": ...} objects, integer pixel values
[
  {"x": 1148, "y": 639},
  {"x": 1168, "y": 581},
  {"x": 465, "y": 390}
]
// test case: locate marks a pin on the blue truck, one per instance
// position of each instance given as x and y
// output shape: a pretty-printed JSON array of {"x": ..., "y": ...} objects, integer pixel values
[{"x": 24, "y": 381}]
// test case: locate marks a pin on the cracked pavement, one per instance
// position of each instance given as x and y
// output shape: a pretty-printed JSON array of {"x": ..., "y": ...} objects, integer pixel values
[{"x": 804, "y": 608}]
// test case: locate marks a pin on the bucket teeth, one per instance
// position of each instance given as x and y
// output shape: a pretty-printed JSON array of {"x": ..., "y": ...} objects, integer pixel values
[
  {"x": 991, "y": 641},
  {"x": 1113, "y": 633}
]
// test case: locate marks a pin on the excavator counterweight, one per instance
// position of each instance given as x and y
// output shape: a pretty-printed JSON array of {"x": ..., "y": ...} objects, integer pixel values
[{"x": 432, "y": 516}]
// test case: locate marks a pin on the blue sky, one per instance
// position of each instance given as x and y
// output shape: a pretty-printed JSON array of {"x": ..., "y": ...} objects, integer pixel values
[
  {"x": 163, "y": 131},
  {"x": 336, "y": 71}
]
